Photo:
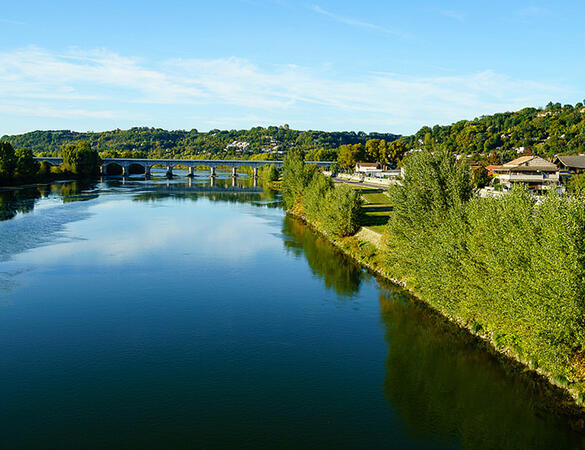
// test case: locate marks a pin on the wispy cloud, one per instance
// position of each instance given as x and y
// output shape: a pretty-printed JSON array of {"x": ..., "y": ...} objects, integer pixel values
[
  {"x": 233, "y": 92},
  {"x": 357, "y": 23},
  {"x": 12, "y": 22},
  {"x": 451, "y": 14}
]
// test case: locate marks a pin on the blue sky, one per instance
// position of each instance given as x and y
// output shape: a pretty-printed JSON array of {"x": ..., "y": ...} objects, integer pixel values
[{"x": 389, "y": 66}]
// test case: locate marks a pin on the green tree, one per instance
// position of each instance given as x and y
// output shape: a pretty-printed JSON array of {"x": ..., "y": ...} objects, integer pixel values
[
  {"x": 481, "y": 177},
  {"x": 577, "y": 184},
  {"x": 26, "y": 166},
  {"x": 80, "y": 159},
  {"x": 393, "y": 152},
  {"x": 349, "y": 155},
  {"x": 268, "y": 172},
  {"x": 342, "y": 210},
  {"x": 296, "y": 176},
  {"x": 7, "y": 162}
]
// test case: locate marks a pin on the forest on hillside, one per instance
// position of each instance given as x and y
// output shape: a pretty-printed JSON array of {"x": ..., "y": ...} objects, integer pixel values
[
  {"x": 159, "y": 143},
  {"x": 555, "y": 129}
]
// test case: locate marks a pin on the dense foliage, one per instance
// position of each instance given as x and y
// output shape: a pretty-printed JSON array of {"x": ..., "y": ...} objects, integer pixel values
[
  {"x": 16, "y": 165},
  {"x": 158, "y": 143},
  {"x": 374, "y": 150},
  {"x": 505, "y": 265},
  {"x": 80, "y": 159},
  {"x": 333, "y": 209},
  {"x": 20, "y": 166},
  {"x": 546, "y": 132}
]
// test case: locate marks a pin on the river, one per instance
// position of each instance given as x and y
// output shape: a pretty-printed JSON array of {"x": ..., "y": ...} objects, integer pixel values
[{"x": 175, "y": 314}]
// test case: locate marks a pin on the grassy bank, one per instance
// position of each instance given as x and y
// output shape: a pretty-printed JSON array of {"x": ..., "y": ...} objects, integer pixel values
[{"x": 376, "y": 209}]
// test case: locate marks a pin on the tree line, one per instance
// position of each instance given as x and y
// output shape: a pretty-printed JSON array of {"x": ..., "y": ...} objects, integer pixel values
[
  {"x": 19, "y": 166},
  {"x": 159, "y": 143}
]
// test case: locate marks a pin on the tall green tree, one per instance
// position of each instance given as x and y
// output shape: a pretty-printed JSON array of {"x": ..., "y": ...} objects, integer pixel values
[
  {"x": 81, "y": 159},
  {"x": 26, "y": 166},
  {"x": 7, "y": 162},
  {"x": 296, "y": 176},
  {"x": 349, "y": 155}
]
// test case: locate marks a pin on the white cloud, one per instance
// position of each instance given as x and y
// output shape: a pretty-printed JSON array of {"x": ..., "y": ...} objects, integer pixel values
[{"x": 99, "y": 84}]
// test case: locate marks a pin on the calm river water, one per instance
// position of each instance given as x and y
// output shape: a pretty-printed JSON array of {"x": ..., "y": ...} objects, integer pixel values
[{"x": 174, "y": 314}]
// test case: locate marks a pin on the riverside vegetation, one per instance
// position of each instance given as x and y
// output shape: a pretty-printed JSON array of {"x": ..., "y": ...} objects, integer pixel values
[
  {"x": 307, "y": 193},
  {"x": 19, "y": 166},
  {"x": 510, "y": 269}
]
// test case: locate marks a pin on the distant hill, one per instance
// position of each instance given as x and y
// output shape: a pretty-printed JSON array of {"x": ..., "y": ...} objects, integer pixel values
[
  {"x": 555, "y": 129},
  {"x": 543, "y": 131},
  {"x": 156, "y": 142}
]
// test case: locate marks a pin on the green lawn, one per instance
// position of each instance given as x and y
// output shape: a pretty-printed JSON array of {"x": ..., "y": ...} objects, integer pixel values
[{"x": 377, "y": 209}]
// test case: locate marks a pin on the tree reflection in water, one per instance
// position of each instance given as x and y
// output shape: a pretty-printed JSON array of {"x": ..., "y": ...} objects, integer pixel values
[
  {"x": 448, "y": 390},
  {"x": 23, "y": 200},
  {"x": 17, "y": 201},
  {"x": 337, "y": 270}
]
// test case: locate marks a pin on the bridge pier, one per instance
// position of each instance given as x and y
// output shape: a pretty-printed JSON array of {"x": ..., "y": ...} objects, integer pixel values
[
  {"x": 103, "y": 169},
  {"x": 234, "y": 181},
  {"x": 234, "y": 172},
  {"x": 212, "y": 172},
  {"x": 125, "y": 171},
  {"x": 255, "y": 182},
  {"x": 147, "y": 171},
  {"x": 212, "y": 181},
  {"x": 255, "y": 172},
  {"x": 190, "y": 175},
  {"x": 169, "y": 172}
]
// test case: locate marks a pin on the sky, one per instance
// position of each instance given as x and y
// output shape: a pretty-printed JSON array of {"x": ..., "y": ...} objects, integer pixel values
[{"x": 386, "y": 66}]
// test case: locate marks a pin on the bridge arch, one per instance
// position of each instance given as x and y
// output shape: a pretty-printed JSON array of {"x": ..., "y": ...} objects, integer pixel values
[
  {"x": 112, "y": 168},
  {"x": 136, "y": 167}
]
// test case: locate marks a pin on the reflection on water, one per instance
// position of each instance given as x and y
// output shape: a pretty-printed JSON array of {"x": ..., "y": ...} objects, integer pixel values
[
  {"x": 168, "y": 313},
  {"x": 17, "y": 201},
  {"x": 23, "y": 200},
  {"x": 223, "y": 187},
  {"x": 336, "y": 270},
  {"x": 449, "y": 391}
]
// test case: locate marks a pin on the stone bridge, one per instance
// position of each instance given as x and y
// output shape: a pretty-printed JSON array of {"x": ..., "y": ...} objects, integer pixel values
[{"x": 190, "y": 164}]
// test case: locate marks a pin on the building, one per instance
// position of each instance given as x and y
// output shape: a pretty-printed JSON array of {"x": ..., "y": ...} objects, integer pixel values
[
  {"x": 535, "y": 172},
  {"x": 570, "y": 165},
  {"x": 363, "y": 167}
]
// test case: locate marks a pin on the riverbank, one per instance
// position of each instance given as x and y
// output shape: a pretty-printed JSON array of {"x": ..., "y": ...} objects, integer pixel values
[{"x": 365, "y": 248}]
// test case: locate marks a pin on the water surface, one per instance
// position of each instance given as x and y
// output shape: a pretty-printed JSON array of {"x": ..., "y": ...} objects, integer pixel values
[{"x": 168, "y": 313}]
